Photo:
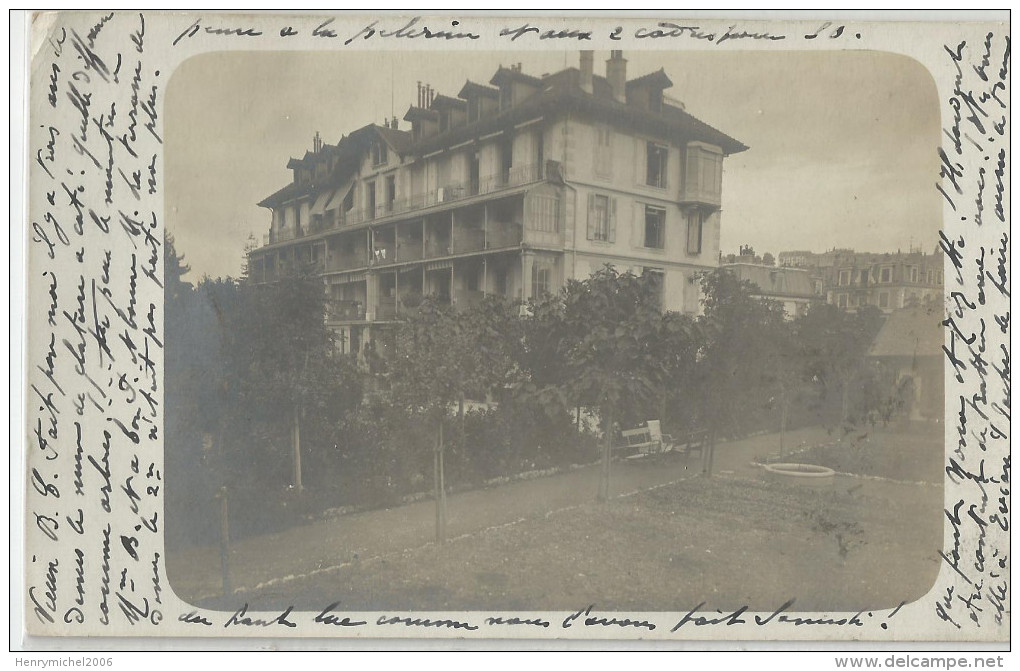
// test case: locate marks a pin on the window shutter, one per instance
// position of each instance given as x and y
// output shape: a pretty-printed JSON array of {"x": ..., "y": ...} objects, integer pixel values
[
  {"x": 591, "y": 216},
  {"x": 612, "y": 220}
]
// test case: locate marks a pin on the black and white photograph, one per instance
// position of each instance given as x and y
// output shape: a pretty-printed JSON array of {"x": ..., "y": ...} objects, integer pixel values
[
  {"x": 614, "y": 328},
  {"x": 445, "y": 331}
]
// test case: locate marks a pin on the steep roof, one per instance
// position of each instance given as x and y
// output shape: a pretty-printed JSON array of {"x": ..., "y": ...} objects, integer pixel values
[
  {"x": 558, "y": 92},
  {"x": 561, "y": 92},
  {"x": 348, "y": 152},
  {"x": 472, "y": 88},
  {"x": 911, "y": 332},
  {"x": 506, "y": 75},
  {"x": 659, "y": 79}
]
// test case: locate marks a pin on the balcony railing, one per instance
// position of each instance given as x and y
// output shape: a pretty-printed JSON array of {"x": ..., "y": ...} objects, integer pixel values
[
  {"x": 504, "y": 235},
  {"x": 440, "y": 247},
  {"x": 448, "y": 193},
  {"x": 341, "y": 310},
  {"x": 471, "y": 240},
  {"x": 386, "y": 308}
]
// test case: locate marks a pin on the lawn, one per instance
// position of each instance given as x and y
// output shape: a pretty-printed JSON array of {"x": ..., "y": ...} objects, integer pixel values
[
  {"x": 727, "y": 542},
  {"x": 914, "y": 455}
]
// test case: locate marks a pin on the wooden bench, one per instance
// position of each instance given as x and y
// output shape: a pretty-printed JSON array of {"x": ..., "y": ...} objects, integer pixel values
[{"x": 646, "y": 440}]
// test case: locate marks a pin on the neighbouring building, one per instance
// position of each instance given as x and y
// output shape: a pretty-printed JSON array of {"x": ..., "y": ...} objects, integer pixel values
[
  {"x": 511, "y": 188},
  {"x": 792, "y": 287},
  {"x": 891, "y": 281},
  {"x": 910, "y": 344}
]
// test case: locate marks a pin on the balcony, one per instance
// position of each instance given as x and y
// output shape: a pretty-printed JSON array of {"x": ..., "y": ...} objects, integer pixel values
[
  {"x": 348, "y": 261},
  {"x": 468, "y": 240},
  {"x": 345, "y": 310},
  {"x": 437, "y": 247},
  {"x": 448, "y": 193},
  {"x": 386, "y": 308},
  {"x": 466, "y": 299},
  {"x": 504, "y": 235}
]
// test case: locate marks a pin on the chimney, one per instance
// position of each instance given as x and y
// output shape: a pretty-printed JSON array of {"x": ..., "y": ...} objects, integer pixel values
[
  {"x": 393, "y": 124},
  {"x": 616, "y": 73},
  {"x": 587, "y": 70}
]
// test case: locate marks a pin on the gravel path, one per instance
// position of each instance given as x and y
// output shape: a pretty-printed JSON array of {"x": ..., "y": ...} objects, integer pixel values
[{"x": 270, "y": 562}]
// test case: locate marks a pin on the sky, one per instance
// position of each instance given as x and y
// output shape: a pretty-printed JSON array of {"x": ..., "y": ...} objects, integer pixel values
[{"x": 843, "y": 145}]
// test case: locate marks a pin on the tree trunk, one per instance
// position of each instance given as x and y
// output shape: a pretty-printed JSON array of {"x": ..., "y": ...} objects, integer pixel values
[
  {"x": 782, "y": 425},
  {"x": 607, "y": 459},
  {"x": 846, "y": 403},
  {"x": 435, "y": 491},
  {"x": 296, "y": 445},
  {"x": 708, "y": 455},
  {"x": 440, "y": 486}
]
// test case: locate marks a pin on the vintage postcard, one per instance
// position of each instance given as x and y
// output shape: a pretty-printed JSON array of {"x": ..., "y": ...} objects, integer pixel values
[{"x": 470, "y": 327}]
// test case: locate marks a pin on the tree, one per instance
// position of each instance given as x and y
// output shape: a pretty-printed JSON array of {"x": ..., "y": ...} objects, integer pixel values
[
  {"x": 437, "y": 361},
  {"x": 740, "y": 363},
  {"x": 601, "y": 339},
  {"x": 281, "y": 380},
  {"x": 835, "y": 347},
  {"x": 767, "y": 259}
]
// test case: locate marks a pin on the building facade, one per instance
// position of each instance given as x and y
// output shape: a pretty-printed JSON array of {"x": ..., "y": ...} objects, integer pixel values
[
  {"x": 851, "y": 280},
  {"x": 793, "y": 288},
  {"x": 510, "y": 188}
]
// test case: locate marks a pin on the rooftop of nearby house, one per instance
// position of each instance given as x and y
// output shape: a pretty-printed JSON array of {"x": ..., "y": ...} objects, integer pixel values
[
  {"x": 775, "y": 281},
  {"x": 911, "y": 332}
]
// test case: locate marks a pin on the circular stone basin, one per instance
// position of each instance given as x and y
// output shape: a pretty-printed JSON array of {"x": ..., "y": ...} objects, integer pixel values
[{"x": 800, "y": 474}]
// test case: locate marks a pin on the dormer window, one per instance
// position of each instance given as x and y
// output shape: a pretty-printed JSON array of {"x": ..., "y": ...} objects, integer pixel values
[
  {"x": 655, "y": 100},
  {"x": 506, "y": 97},
  {"x": 379, "y": 153}
]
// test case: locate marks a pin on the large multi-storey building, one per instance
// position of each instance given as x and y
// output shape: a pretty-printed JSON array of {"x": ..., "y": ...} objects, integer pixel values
[
  {"x": 510, "y": 188},
  {"x": 851, "y": 280}
]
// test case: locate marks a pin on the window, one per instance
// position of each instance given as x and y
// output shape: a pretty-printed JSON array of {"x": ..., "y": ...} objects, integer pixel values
[
  {"x": 886, "y": 276},
  {"x": 539, "y": 280},
  {"x": 506, "y": 97},
  {"x": 929, "y": 277},
  {"x": 655, "y": 227},
  {"x": 844, "y": 278},
  {"x": 473, "y": 109},
  {"x": 657, "y": 280},
  {"x": 842, "y": 300},
  {"x": 370, "y": 192},
  {"x": 391, "y": 192},
  {"x": 695, "y": 230},
  {"x": 604, "y": 151},
  {"x": 379, "y": 153},
  {"x": 297, "y": 219},
  {"x": 506, "y": 158},
  {"x": 601, "y": 218},
  {"x": 658, "y": 155},
  {"x": 913, "y": 274},
  {"x": 883, "y": 299}
]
